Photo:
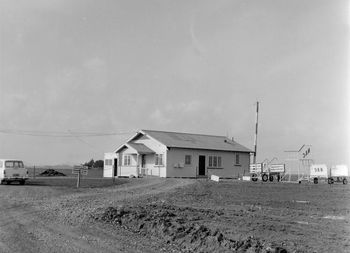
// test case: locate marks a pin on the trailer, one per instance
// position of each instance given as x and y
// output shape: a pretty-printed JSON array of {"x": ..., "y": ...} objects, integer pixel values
[
  {"x": 337, "y": 173},
  {"x": 318, "y": 172},
  {"x": 266, "y": 172}
]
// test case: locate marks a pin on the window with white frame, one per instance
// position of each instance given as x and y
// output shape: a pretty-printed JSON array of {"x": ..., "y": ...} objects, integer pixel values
[
  {"x": 215, "y": 161},
  {"x": 188, "y": 159},
  {"x": 127, "y": 160},
  {"x": 158, "y": 159},
  {"x": 237, "y": 162}
]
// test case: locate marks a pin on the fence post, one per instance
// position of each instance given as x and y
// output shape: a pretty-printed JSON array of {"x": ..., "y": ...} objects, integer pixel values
[{"x": 78, "y": 180}]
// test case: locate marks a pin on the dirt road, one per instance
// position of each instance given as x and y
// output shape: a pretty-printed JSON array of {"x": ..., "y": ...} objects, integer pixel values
[
  {"x": 51, "y": 219},
  {"x": 175, "y": 215}
]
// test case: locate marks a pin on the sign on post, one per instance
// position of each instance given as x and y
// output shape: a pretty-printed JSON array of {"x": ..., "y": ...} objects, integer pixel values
[
  {"x": 76, "y": 169},
  {"x": 255, "y": 167},
  {"x": 277, "y": 168},
  {"x": 84, "y": 171},
  {"x": 80, "y": 170}
]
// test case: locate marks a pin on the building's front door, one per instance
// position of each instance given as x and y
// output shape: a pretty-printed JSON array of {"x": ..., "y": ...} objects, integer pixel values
[
  {"x": 201, "y": 165},
  {"x": 143, "y": 161},
  {"x": 115, "y": 172}
]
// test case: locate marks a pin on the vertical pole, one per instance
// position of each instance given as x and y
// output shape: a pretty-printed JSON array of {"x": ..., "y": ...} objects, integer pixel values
[
  {"x": 78, "y": 180},
  {"x": 34, "y": 172},
  {"x": 137, "y": 165},
  {"x": 113, "y": 170},
  {"x": 256, "y": 132}
]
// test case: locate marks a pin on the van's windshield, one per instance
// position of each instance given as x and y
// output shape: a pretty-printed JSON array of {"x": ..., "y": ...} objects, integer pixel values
[{"x": 14, "y": 164}]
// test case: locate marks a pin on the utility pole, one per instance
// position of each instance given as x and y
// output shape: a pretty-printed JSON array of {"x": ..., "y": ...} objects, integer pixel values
[{"x": 256, "y": 132}]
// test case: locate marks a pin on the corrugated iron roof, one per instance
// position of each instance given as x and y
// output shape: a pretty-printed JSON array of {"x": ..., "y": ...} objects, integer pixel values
[{"x": 196, "y": 141}]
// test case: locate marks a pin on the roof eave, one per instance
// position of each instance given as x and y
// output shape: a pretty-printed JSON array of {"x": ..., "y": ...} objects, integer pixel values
[{"x": 227, "y": 150}]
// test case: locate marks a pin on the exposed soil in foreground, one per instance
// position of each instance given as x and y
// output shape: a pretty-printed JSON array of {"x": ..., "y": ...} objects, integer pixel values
[
  {"x": 175, "y": 215},
  {"x": 179, "y": 226}
]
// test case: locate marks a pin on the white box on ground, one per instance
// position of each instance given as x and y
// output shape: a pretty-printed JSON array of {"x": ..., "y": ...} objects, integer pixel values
[
  {"x": 246, "y": 178},
  {"x": 215, "y": 178}
]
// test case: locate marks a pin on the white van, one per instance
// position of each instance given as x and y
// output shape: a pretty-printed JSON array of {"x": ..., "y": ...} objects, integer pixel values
[{"x": 12, "y": 170}]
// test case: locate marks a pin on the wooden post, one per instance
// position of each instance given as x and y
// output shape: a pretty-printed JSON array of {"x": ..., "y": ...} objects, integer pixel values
[
  {"x": 137, "y": 165},
  {"x": 78, "y": 180}
]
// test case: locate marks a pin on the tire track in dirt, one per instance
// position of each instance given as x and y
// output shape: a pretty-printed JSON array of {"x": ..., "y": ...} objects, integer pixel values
[{"x": 32, "y": 224}]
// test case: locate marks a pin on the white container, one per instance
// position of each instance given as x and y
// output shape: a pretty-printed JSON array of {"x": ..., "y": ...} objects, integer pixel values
[
  {"x": 339, "y": 171},
  {"x": 318, "y": 170}
]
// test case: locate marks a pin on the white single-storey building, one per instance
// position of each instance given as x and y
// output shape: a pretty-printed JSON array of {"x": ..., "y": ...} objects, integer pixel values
[{"x": 171, "y": 154}]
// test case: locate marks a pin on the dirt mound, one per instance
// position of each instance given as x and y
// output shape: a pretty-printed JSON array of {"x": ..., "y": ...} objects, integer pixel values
[
  {"x": 177, "y": 225},
  {"x": 52, "y": 173}
]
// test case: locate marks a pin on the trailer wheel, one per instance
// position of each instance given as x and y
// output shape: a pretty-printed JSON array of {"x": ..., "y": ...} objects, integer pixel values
[
  {"x": 330, "y": 180},
  {"x": 254, "y": 177},
  {"x": 8, "y": 182},
  {"x": 345, "y": 181},
  {"x": 315, "y": 180},
  {"x": 22, "y": 182},
  {"x": 264, "y": 177},
  {"x": 271, "y": 178}
]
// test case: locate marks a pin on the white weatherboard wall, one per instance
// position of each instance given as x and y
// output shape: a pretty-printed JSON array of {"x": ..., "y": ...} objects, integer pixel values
[
  {"x": 127, "y": 170},
  {"x": 108, "y": 169},
  {"x": 229, "y": 169},
  {"x": 176, "y": 156},
  {"x": 158, "y": 148}
]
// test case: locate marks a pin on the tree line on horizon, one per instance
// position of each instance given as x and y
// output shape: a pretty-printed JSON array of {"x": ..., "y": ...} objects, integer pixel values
[{"x": 94, "y": 164}]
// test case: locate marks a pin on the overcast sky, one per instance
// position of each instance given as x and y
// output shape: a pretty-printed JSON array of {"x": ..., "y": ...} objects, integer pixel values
[{"x": 108, "y": 66}]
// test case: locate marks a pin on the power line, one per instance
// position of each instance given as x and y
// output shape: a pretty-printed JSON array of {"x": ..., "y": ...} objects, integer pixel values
[
  {"x": 68, "y": 134},
  {"x": 81, "y": 140}
]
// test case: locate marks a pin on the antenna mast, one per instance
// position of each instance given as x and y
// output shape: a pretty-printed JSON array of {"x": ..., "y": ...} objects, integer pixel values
[{"x": 256, "y": 132}]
